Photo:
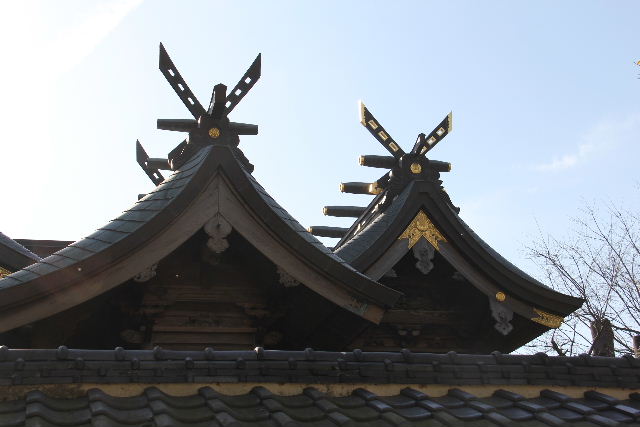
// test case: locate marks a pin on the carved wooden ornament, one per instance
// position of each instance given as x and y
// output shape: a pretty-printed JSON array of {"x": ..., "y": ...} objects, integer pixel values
[
  {"x": 423, "y": 252},
  {"x": 287, "y": 280},
  {"x": 218, "y": 229},
  {"x": 503, "y": 315},
  {"x": 146, "y": 274}
]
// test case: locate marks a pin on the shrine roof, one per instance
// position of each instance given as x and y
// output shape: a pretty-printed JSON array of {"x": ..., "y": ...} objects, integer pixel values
[
  {"x": 314, "y": 388},
  {"x": 110, "y": 235},
  {"x": 380, "y": 237},
  {"x": 166, "y": 217}
]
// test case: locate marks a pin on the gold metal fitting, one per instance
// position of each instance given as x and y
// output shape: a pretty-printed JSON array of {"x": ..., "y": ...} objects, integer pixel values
[
  {"x": 214, "y": 133},
  {"x": 547, "y": 319},
  {"x": 420, "y": 227},
  {"x": 324, "y": 210},
  {"x": 415, "y": 168},
  {"x": 361, "y": 160},
  {"x": 500, "y": 296},
  {"x": 342, "y": 188},
  {"x": 374, "y": 188}
]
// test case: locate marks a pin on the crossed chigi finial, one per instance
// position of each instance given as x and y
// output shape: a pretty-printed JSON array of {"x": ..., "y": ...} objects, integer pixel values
[
  {"x": 210, "y": 126},
  {"x": 404, "y": 166}
]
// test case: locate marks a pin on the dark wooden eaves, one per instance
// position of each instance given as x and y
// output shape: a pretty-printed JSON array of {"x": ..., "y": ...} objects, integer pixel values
[
  {"x": 211, "y": 183},
  {"x": 307, "y": 248},
  {"x": 88, "y": 267}
]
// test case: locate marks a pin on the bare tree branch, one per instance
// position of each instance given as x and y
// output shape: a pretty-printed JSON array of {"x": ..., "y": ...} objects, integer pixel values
[{"x": 600, "y": 264}]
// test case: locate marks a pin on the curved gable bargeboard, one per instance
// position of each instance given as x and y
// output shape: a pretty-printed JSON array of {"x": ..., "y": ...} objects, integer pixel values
[
  {"x": 477, "y": 253},
  {"x": 376, "y": 248},
  {"x": 267, "y": 226},
  {"x": 150, "y": 230},
  {"x": 157, "y": 224},
  {"x": 293, "y": 262}
]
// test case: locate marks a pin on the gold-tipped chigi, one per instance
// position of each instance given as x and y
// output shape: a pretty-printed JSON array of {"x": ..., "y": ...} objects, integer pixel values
[
  {"x": 421, "y": 147},
  {"x": 361, "y": 108}
]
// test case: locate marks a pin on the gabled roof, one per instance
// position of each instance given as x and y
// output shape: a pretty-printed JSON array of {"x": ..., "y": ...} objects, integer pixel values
[
  {"x": 14, "y": 256},
  {"x": 380, "y": 237},
  {"x": 211, "y": 183}
]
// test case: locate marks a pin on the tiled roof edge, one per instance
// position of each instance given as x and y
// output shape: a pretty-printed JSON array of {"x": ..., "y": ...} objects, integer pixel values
[
  {"x": 311, "y": 406},
  {"x": 65, "y": 365}
]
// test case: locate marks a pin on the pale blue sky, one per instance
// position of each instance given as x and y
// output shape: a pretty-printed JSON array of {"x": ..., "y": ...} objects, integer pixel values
[{"x": 544, "y": 97}]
